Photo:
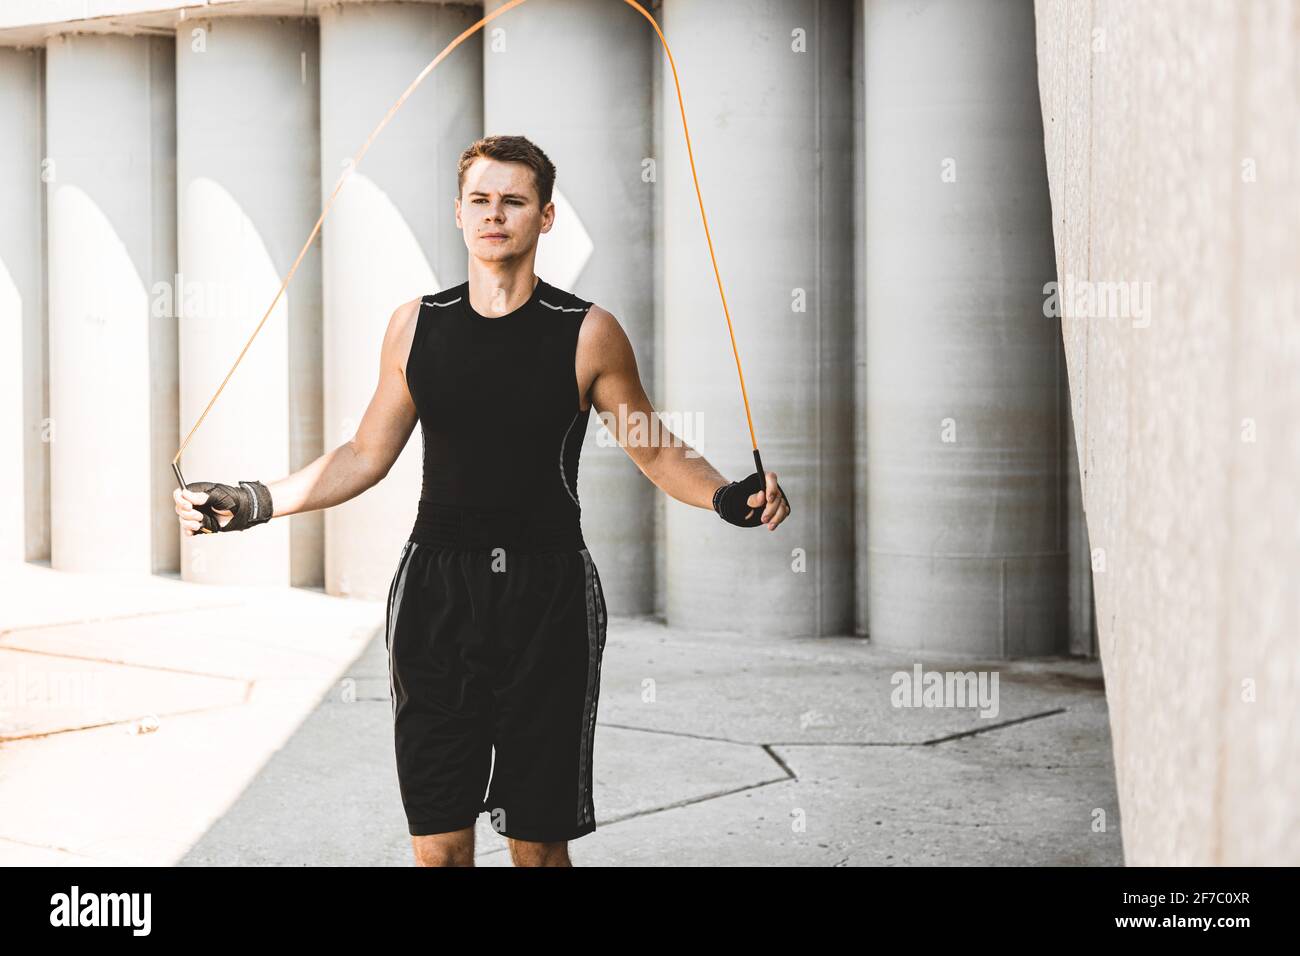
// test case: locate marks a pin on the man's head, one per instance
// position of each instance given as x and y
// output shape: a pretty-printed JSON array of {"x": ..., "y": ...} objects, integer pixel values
[{"x": 505, "y": 185}]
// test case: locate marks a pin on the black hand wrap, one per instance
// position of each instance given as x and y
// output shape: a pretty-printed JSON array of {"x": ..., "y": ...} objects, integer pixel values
[
  {"x": 731, "y": 501},
  {"x": 249, "y": 500}
]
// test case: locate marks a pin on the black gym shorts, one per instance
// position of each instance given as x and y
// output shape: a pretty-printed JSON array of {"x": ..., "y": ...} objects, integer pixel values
[{"x": 495, "y": 649}]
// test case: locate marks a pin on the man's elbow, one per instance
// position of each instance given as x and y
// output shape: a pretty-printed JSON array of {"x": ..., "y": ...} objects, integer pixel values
[
  {"x": 369, "y": 467},
  {"x": 649, "y": 459}
]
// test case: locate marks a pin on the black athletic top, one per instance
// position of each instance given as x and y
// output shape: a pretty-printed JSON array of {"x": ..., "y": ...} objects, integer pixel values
[{"x": 497, "y": 398}]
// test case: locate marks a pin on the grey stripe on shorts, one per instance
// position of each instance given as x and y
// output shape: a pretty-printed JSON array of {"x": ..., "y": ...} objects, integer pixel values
[
  {"x": 394, "y": 605},
  {"x": 595, "y": 647}
]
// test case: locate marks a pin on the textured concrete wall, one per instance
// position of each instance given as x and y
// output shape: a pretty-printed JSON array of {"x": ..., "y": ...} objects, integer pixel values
[{"x": 1172, "y": 131}]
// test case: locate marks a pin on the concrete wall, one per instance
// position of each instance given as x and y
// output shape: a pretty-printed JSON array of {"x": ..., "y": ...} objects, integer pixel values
[{"x": 1171, "y": 133}]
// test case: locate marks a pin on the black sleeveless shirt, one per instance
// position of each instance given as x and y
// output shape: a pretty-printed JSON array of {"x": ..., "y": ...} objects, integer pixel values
[{"x": 498, "y": 403}]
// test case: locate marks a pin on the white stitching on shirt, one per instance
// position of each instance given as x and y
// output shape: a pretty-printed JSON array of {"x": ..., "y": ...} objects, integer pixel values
[
  {"x": 560, "y": 308},
  {"x": 564, "y": 479}
]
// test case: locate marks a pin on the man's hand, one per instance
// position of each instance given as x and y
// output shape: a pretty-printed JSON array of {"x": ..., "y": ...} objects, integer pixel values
[
  {"x": 777, "y": 508},
  {"x": 191, "y": 521},
  {"x": 739, "y": 502},
  {"x": 209, "y": 506}
]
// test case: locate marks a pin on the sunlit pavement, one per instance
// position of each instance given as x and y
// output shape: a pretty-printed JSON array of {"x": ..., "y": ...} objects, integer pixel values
[{"x": 153, "y": 721}]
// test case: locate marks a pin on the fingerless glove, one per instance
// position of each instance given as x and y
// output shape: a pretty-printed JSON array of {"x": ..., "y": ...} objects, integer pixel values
[
  {"x": 730, "y": 501},
  {"x": 249, "y": 500}
]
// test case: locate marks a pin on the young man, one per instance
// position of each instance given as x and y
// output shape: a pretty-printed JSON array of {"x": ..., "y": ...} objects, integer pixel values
[{"x": 495, "y": 624}]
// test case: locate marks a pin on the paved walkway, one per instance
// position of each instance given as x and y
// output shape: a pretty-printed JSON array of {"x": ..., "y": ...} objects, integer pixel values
[{"x": 152, "y": 721}]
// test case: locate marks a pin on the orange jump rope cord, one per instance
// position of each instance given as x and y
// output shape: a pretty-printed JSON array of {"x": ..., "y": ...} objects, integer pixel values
[{"x": 356, "y": 160}]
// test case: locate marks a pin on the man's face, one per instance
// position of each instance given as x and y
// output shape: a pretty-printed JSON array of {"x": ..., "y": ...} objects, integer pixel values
[{"x": 498, "y": 210}]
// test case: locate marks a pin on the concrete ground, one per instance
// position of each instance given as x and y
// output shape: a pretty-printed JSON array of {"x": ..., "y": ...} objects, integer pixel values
[{"x": 152, "y": 721}]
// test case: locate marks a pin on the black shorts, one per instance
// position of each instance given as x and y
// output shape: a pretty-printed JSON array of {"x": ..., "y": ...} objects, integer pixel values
[{"x": 495, "y": 652}]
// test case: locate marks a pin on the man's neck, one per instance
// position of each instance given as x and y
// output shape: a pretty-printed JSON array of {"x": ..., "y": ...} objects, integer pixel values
[{"x": 499, "y": 293}]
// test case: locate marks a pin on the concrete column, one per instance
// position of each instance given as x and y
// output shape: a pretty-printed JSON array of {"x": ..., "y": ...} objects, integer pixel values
[
  {"x": 24, "y": 396},
  {"x": 391, "y": 237},
  {"x": 594, "y": 123},
  {"x": 110, "y": 129},
  {"x": 771, "y": 125},
  {"x": 964, "y": 428},
  {"x": 861, "y": 610},
  {"x": 249, "y": 193}
]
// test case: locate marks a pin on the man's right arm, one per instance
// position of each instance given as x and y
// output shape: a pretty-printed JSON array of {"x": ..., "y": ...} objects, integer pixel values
[
  {"x": 362, "y": 461},
  {"x": 365, "y": 459}
]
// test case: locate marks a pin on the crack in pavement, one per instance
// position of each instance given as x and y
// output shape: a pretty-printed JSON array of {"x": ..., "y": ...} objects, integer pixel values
[
  {"x": 43, "y": 846},
  {"x": 124, "y": 721},
  {"x": 790, "y": 774},
  {"x": 668, "y": 806},
  {"x": 120, "y": 663},
  {"x": 1005, "y": 723},
  {"x": 4, "y": 632}
]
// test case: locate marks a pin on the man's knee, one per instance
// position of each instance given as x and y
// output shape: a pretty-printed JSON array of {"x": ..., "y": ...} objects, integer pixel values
[
  {"x": 529, "y": 853},
  {"x": 455, "y": 848}
]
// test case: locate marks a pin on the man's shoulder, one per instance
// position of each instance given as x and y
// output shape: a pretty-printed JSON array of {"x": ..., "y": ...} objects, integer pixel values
[
  {"x": 448, "y": 296},
  {"x": 559, "y": 300},
  {"x": 600, "y": 331}
]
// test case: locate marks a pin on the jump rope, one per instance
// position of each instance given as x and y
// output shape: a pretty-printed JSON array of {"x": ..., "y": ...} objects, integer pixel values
[{"x": 756, "y": 482}]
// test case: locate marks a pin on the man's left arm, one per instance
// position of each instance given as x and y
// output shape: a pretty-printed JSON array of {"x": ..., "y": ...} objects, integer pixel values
[{"x": 670, "y": 463}]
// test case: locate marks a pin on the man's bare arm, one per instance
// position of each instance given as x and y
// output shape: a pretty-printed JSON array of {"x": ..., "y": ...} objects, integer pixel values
[
  {"x": 365, "y": 459},
  {"x": 665, "y": 459},
  {"x": 617, "y": 391}
]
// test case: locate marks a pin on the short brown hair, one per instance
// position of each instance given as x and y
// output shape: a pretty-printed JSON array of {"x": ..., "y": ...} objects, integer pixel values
[{"x": 510, "y": 149}]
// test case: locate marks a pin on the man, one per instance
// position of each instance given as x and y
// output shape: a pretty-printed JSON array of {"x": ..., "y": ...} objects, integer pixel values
[{"x": 495, "y": 623}]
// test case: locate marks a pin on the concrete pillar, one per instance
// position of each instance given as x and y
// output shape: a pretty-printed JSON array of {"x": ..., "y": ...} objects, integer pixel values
[
  {"x": 861, "y": 609},
  {"x": 391, "y": 237},
  {"x": 771, "y": 126},
  {"x": 967, "y": 552},
  {"x": 110, "y": 129},
  {"x": 24, "y": 396},
  {"x": 249, "y": 193},
  {"x": 594, "y": 123}
]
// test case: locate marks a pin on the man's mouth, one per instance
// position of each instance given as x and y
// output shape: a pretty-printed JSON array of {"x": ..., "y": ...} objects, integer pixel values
[{"x": 494, "y": 235}]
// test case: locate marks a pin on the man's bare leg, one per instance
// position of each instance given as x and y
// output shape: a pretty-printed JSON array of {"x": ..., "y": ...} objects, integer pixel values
[
  {"x": 455, "y": 848},
  {"x": 528, "y": 853}
]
